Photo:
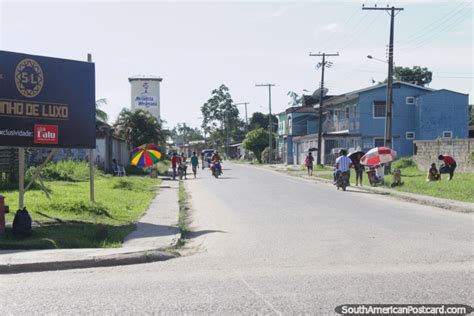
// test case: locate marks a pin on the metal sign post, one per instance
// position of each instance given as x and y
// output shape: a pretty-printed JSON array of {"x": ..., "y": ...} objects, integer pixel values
[
  {"x": 21, "y": 177},
  {"x": 91, "y": 159}
]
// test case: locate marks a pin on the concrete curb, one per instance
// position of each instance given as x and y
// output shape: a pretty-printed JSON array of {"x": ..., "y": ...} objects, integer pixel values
[
  {"x": 451, "y": 205},
  {"x": 94, "y": 262},
  {"x": 95, "y": 257}
]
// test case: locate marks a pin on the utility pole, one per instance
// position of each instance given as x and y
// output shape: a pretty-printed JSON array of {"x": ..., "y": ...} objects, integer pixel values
[
  {"x": 389, "y": 101},
  {"x": 246, "y": 118},
  {"x": 270, "y": 128},
  {"x": 226, "y": 135},
  {"x": 323, "y": 65}
]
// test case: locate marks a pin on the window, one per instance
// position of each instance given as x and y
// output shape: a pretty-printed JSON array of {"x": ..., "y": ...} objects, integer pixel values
[
  {"x": 410, "y": 135},
  {"x": 379, "y": 141},
  {"x": 447, "y": 134},
  {"x": 410, "y": 100},
  {"x": 347, "y": 112},
  {"x": 379, "y": 109}
]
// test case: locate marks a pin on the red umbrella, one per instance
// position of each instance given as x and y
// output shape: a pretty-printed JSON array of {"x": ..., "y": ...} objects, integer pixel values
[{"x": 378, "y": 155}]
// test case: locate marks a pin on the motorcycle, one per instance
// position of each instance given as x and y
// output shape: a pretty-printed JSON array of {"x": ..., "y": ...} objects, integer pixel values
[
  {"x": 216, "y": 169},
  {"x": 342, "y": 180}
]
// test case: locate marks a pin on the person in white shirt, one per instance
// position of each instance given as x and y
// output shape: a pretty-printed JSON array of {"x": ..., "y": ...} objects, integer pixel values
[
  {"x": 343, "y": 164},
  {"x": 379, "y": 172}
]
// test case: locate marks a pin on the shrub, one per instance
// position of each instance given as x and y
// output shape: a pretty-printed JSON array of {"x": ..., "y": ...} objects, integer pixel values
[
  {"x": 81, "y": 207},
  {"x": 132, "y": 170},
  {"x": 124, "y": 185},
  {"x": 64, "y": 170},
  {"x": 471, "y": 157},
  {"x": 266, "y": 155},
  {"x": 404, "y": 162}
]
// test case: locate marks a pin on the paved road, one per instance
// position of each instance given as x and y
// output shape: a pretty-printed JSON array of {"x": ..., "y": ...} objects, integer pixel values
[{"x": 268, "y": 243}]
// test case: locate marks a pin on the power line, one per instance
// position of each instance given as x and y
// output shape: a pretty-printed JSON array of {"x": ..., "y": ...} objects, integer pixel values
[
  {"x": 423, "y": 42},
  {"x": 354, "y": 38},
  {"x": 329, "y": 35},
  {"x": 348, "y": 35},
  {"x": 434, "y": 25}
]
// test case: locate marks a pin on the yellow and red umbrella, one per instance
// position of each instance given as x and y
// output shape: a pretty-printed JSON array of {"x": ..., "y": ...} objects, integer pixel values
[{"x": 145, "y": 155}]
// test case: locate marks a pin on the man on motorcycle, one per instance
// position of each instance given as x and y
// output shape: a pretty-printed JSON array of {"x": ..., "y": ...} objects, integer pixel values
[
  {"x": 215, "y": 157},
  {"x": 343, "y": 164},
  {"x": 215, "y": 161}
]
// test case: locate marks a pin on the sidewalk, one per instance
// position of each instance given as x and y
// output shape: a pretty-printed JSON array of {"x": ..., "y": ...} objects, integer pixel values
[
  {"x": 155, "y": 232},
  {"x": 452, "y": 205}
]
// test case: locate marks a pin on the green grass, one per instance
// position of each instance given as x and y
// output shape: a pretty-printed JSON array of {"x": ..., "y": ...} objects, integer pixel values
[
  {"x": 183, "y": 220},
  {"x": 69, "y": 220},
  {"x": 316, "y": 167},
  {"x": 461, "y": 188},
  {"x": 183, "y": 209}
]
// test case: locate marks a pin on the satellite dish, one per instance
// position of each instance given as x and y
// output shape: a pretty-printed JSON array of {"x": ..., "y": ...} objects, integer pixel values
[{"x": 317, "y": 93}]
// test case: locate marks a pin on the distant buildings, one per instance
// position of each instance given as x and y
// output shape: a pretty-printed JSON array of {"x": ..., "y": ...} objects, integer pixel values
[{"x": 356, "y": 121}]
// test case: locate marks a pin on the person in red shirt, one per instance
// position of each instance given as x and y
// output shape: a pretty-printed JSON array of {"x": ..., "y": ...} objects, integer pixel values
[
  {"x": 450, "y": 164},
  {"x": 174, "y": 161}
]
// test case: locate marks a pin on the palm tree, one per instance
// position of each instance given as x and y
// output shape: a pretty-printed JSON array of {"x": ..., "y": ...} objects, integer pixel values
[
  {"x": 139, "y": 127},
  {"x": 101, "y": 115}
]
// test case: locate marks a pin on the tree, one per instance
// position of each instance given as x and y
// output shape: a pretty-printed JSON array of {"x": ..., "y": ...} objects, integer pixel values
[
  {"x": 139, "y": 127},
  {"x": 259, "y": 119},
  {"x": 101, "y": 115},
  {"x": 416, "y": 75},
  {"x": 221, "y": 118},
  {"x": 296, "y": 99},
  {"x": 256, "y": 141},
  {"x": 101, "y": 118},
  {"x": 186, "y": 132}
]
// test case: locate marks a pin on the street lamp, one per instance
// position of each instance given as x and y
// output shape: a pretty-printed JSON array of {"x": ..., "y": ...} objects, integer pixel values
[{"x": 378, "y": 59}]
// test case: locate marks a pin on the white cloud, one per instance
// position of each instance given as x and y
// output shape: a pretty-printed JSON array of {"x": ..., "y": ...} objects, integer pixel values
[
  {"x": 330, "y": 27},
  {"x": 277, "y": 13}
]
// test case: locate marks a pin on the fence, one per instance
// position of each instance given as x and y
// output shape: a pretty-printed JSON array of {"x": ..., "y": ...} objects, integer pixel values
[{"x": 462, "y": 150}]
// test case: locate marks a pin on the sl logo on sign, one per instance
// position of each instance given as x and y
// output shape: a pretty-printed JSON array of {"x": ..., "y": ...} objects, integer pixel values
[
  {"x": 29, "y": 78},
  {"x": 46, "y": 134}
]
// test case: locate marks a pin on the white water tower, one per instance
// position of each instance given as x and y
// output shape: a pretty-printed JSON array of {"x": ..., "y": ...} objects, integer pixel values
[{"x": 146, "y": 94}]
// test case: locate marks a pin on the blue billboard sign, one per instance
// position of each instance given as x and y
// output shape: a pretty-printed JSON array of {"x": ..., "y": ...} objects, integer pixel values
[{"x": 46, "y": 102}]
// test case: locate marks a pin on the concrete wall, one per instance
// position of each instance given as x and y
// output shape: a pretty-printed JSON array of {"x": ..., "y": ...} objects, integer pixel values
[{"x": 427, "y": 152}]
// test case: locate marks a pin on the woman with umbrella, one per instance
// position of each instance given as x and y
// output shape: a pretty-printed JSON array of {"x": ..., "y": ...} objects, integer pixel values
[{"x": 358, "y": 167}]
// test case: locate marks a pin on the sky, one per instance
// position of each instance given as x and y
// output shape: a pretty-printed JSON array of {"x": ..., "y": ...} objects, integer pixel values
[{"x": 197, "y": 46}]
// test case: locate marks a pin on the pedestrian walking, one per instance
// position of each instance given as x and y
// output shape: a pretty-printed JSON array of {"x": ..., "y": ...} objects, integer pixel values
[
  {"x": 194, "y": 163},
  {"x": 309, "y": 163},
  {"x": 359, "y": 169},
  {"x": 449, "y": 165},
  {"x": 174, "y": 162}
]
